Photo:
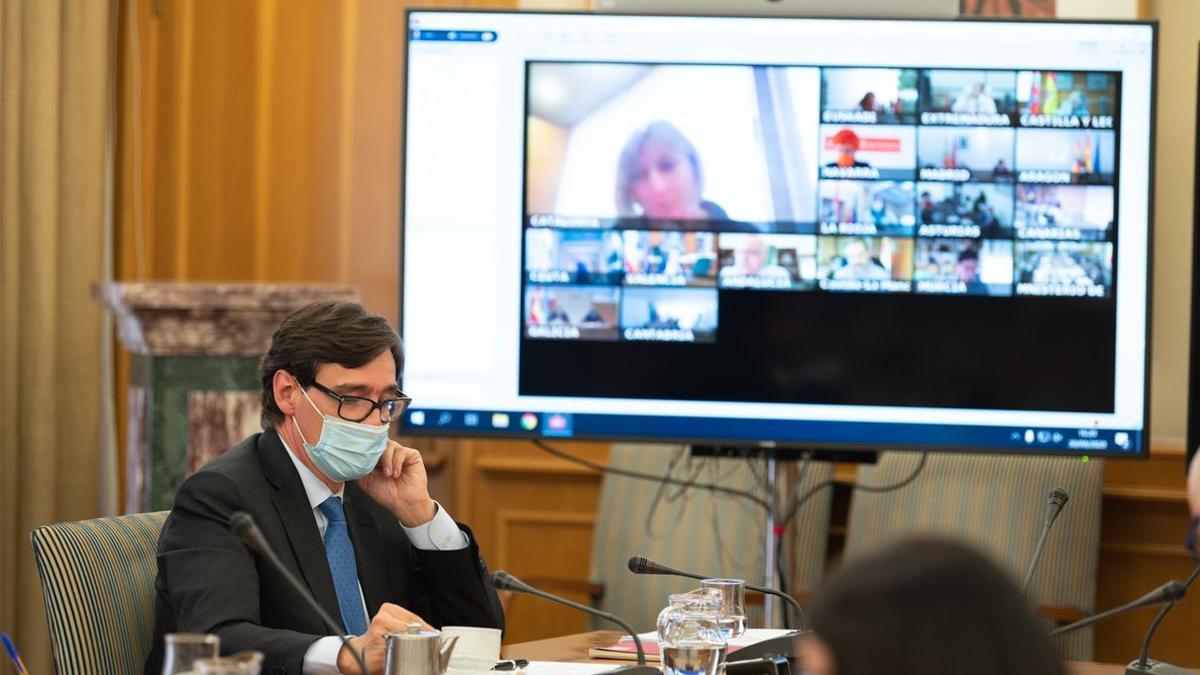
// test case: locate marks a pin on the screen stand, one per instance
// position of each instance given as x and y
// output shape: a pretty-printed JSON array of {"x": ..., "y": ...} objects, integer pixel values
[
  {"x": 777, "y": 501},
  {"x": 769, "y": 548}
]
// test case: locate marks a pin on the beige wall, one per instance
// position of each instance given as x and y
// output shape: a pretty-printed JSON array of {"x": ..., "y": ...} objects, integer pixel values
[
  {"x": 1103, "y": 9},
  {"x": 1179, "y": 35},
  {"x": 547, "y": 144}
]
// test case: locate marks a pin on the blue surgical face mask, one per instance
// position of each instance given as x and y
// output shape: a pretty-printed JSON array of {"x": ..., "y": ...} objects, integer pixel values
[{"x": 346, "y": 450}]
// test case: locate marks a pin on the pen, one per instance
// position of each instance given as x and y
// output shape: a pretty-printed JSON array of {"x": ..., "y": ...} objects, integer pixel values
[
  {"x": 12, "y": 653},
  {"x": 510, "y": 664}
]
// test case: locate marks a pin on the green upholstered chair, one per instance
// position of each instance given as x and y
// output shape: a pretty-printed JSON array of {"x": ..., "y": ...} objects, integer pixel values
[
  {"x": 98, "y": 583},
  {"x": 996, "y": 503},
  {"x": 693, "y": 529}
]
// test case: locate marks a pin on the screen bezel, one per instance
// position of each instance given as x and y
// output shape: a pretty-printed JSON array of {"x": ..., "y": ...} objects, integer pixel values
[{"x": 1142, "y": 453}]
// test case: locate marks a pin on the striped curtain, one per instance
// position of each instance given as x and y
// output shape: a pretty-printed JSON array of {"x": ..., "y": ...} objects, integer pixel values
[{"x": 56, "y": 74}]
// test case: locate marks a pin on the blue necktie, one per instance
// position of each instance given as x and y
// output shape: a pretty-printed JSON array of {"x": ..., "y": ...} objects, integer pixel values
[{"x": 344, "y": 567}]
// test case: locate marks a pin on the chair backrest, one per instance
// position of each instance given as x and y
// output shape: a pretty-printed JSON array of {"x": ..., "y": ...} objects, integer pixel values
[
  {"x": 691, "y": 528},
  {"x": 98, "y": 583},
  {"x": 996, "y": 503}
]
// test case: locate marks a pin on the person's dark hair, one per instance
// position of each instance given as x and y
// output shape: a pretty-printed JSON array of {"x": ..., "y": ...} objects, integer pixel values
[
  {"x": 344, "y": 333},
  {"x": 929, "y": 607},
  {"x": 968, "y": 254}
]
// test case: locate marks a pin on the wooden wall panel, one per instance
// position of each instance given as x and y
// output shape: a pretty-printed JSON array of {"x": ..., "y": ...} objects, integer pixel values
[
  {"x": 1144, "y": 521},
  {"x": 545, "y": 544},
  {"x": 533, "y": 515},
  {"x": 261, "y": 141}
]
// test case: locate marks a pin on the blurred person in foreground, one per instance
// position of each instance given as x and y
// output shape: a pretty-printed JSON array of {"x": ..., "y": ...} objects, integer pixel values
[{"x": 924, "y": 607}]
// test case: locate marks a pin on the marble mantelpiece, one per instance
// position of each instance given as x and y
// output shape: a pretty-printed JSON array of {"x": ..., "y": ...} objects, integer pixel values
[
  {"x": 194, "y": 371},
  {"x": 206, "y": 319}
]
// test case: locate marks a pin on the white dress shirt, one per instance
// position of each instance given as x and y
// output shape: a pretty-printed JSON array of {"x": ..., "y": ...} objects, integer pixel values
[{"x": 439, "y": 534}]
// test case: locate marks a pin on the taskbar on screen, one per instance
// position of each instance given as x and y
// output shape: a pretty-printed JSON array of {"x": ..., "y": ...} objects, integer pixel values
[{"x": 772, "y": 432}]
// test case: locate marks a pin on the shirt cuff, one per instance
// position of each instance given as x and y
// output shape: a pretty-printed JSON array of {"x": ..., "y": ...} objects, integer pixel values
[
  {"x": 321, "y": 657},
  {"x": 439, "y": 534}
]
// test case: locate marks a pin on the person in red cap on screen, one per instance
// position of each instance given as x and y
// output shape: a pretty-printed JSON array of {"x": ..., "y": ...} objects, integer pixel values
[{"x": 847, "y": 143}]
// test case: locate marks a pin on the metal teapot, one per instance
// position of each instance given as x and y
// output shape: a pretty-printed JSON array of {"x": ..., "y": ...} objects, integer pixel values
[{"x": 416, "y": 652}]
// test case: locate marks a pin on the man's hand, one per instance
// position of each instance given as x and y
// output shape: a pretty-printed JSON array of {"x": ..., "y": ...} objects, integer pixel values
[
  {"x": 399, "y": 483},
  {"x": 390, "y": 619}
]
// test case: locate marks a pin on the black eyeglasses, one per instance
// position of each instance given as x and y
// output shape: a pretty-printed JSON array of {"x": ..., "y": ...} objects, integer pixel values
[{"x": 357, "y": 408}]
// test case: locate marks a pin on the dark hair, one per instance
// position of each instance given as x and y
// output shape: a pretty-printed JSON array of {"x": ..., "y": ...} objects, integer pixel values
[
  {"x": 344, "y": 333},
  {"x": 929, "y": 607},
  {"x": 968, "y": 254}
]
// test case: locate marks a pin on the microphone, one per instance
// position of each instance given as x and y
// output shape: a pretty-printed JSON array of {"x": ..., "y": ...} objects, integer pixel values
[
  {"x": 1143, "y": 664},
  {"x": 1054, "y": 504},
  {"x": 1170, "y": 592},
  {"x": 242, "y": 524},
  {"x": 504, "y": 581},
  {"x": 640, "y": 564}
]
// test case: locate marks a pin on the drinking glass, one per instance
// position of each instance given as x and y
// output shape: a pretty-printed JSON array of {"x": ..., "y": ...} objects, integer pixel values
[
  {"x": 184, "y": 649},
  {"x": 689, "y": 634},
  {"x": 733, "y": 605}
]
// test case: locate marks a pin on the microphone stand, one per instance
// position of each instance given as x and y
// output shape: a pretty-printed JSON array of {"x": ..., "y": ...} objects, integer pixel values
[
  {"x": 242, "y": 524},
  {"x": 1170, "y": 592},
  {"x": 772, "y": 546},
  {"x": 1055, "y": 502},
  {"x": 1037, "y": 556},
  {"x": 506, "y": 582},
  {"x": 639, "y": 564},
  {"x": 1143, "y": 664}
]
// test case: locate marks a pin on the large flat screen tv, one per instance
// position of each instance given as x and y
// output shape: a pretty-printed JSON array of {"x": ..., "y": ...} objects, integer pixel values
[{"x": 778, "y": 232}]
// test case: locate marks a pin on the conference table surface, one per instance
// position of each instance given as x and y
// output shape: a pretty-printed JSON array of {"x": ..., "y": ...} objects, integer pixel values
[{"x": 574, "y": 648}]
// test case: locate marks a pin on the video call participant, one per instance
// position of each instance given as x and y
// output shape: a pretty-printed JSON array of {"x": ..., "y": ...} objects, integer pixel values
[
  {"x": 556, "y": 314},
  {"x": 345, "y": 508},
  {"x": 924, "y": 607},
  {"x": 859, "y": 264},
  {"x": 983, "y": 215},
  {"x": 927, "y": 207},
  {"x": 974, "y": 100},
  {"x": 659, "y": 176},
  {"x": 750, "y": 260},
  {"x": 847, "y": 143},
  {"x": 1062, "y": 268},
  {"x": 967, "y": 271},
  {"x": 870, "y": 103}
]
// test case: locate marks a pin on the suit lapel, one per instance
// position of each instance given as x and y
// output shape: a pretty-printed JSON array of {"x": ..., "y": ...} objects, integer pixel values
[
  {"x": 368, "y": 549},
  {"x": 296, "y": 515}
]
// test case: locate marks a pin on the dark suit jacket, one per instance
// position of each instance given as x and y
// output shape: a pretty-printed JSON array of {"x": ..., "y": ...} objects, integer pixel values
[{"x": 209, "y": 582}]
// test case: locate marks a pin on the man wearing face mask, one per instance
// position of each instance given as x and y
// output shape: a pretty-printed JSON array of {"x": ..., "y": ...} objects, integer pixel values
[{"x": 345, "y": 508}]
